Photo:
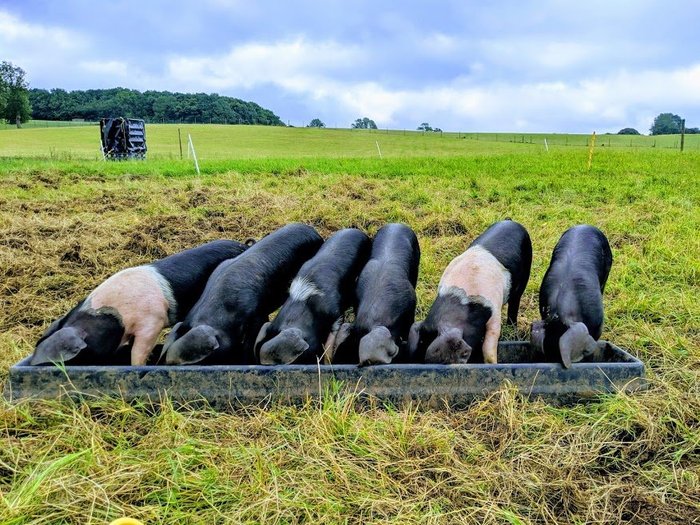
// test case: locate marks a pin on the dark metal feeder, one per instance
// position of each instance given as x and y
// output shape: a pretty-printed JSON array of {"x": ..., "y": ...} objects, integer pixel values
[{"x": 610, "y": 370}]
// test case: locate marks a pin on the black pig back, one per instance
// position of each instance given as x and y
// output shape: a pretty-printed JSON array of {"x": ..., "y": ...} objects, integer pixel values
[
  {"x": 242, "y": 292},
  {"x": 188, "y": 271},
  {"x": 509, "y": 242},
  {"x": 573, "y": 285}
]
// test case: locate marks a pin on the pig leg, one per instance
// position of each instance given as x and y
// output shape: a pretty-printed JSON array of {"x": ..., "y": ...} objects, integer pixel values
[
  {"x": 493, "y": 333},
  {"x": 145, "y": 337},
  {"x": 513, "y": 307},
  {"x": 329, "y": 347},
  {"x": 144, "y": 341}
]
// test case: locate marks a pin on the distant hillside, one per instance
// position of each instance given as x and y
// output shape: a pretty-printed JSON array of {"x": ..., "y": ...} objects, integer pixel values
[{"x": 152, "y": 106}]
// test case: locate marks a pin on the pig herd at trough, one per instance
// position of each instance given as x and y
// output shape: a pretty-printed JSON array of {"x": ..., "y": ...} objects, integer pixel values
[{"x": 218, "y": 298}]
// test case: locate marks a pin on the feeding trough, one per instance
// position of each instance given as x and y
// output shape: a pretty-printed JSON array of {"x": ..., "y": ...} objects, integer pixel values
[{"x": 609, "y": 370}]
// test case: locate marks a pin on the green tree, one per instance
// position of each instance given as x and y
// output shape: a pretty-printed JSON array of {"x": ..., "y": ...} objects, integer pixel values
[
  {"x": 363, "y": 123},
  {"x": 18, "y": 105},
  {"x": 14, "y": 98},
  {"x": 424, "y": 127},
  {"x": 628, "y": 131},
  {"x": 316, "y": 123},
  {"x": 157, "y": 106},
  {"x": 666, "y": 124},
  {"x": 164, "y": 107}
]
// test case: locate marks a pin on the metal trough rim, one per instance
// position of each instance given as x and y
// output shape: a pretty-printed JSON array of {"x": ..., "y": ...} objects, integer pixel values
[{"x": 240, "y": 385}]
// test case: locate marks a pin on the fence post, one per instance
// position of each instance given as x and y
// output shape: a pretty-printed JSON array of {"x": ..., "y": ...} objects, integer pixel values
[
  {"x": 190, "y": 146},
  {"x": 682, "y": 134},
  {"x": 590, "y": 151}
]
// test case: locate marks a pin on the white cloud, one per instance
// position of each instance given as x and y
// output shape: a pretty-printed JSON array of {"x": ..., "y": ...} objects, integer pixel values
[
  {"x": 15, "y": 33},
  {"x": 292, "y": 64},
  {"x": 606, "y": 103},
  {"x": 113, "y": 68},
  {"x": 40, "y": 50},
  {"x": 530, "y": 53},
  {"x": 545, "y": 83},
  {"x": 310, "y": 71}
]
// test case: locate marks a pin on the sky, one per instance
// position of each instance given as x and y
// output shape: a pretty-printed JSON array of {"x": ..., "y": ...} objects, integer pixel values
[{"x": 538, "y": 66}]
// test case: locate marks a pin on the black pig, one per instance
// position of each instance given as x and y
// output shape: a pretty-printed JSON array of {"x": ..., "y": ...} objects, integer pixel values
[
  {"x": 240, "y": 295},
  {"x": 135, "y": 303},
  {"x": 571, "y": 295},
  {"x": 318, "y": 297},
  {"x": 386, "y": 300}
]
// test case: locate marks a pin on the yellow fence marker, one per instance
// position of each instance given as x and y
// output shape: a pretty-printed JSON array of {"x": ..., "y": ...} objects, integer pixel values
[
  {"x": 126, "y": 521},
  {"x": 590, "y": 151}
]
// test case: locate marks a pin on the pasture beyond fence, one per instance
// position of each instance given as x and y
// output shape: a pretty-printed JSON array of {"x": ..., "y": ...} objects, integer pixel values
[
  {"x": 48, "y": 124},
  {"x": 80, "y": 140}
]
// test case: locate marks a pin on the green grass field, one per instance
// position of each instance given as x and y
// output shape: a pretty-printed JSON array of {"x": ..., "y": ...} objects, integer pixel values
[
  {"x": 67, "y": 223},
  {"x": 5, "y": 125},
  {"x": 219, "y": 142}
]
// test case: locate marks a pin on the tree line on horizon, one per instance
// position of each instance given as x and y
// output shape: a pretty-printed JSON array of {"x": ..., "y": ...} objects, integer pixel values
[{"x": 151, "y": 106}]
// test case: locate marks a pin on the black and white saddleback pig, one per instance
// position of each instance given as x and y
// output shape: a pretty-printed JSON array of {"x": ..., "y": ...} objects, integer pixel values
[
  {"x": 239, "y": 297},
  {"x": 571, "y": 295},
  {"x": 319, "y": 295},
  {"x": 386, "y": 300},
  {"x": 466, "y": 315},
  {"x": 135, "y": 303}
]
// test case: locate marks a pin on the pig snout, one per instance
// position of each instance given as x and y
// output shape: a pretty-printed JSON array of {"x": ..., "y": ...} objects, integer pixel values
[
  {"x": 377, "y": 347},
  {"x": 448, "y": 348},
  {"x": 192, "y": 347},
  {"x": 576, "y": 344},
  {"x": 284, "y": 348},
  {"x": 61, "y": 346}
]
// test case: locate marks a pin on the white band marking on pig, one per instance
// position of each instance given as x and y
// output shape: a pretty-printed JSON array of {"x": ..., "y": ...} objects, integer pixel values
[
  {"x": 167, "y": 290},
  {"x": 477, "y": 267},
  {"x": 119, "y": 283},
  {"x": 301, "y": 289}
]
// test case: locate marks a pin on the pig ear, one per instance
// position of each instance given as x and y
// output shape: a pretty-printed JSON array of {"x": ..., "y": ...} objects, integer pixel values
[
  {"x": 195, "y": 345},
  {"x": 377, "y": 347},
  {"x": 284, "y": 348},
  {"x": 262, "y": 337},
  {"x": 575, "y": 344},
  {"x": 537, "y": 332},
  {"x": 61, "y": 346},
  {"x": 413, "y": 338},
  {"x": 58, "y": 323}
]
